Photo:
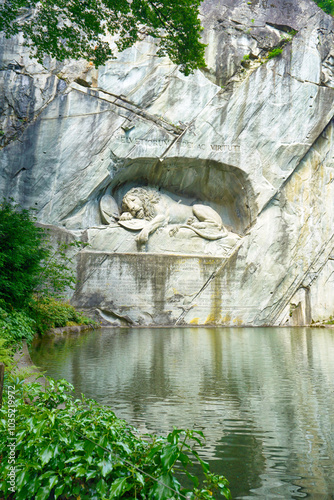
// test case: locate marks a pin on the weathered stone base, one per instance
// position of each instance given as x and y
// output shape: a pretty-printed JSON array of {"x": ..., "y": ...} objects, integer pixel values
[
  {"x": 166, "y": 290},
  {"x": 149, "y": 289},
  {"x": 75, "y": 329}
]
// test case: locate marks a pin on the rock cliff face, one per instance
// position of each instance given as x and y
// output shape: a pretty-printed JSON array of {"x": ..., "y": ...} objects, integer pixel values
[{"x": 251, "y": 137}]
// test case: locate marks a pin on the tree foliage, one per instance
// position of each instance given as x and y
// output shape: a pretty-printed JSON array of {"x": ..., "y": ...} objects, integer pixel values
[
  {"x": 21, "y": 255},
  {"x": 326, "y": 5},
  {"x": 80, "y": 28},
  {"x": 28, "y": 263},
  {"x": 82, "y": 450},
  {"x": 33, "y": 274}
]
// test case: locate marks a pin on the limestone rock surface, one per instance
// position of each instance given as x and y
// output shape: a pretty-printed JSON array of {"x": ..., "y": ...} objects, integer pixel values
[{"x": 251, "y": 137}]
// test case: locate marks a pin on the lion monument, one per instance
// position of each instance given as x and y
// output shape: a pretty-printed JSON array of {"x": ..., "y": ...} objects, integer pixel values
[{"x": 147, "y": 209}]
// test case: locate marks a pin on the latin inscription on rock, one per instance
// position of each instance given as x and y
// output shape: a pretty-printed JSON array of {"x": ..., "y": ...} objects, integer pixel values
[{"x": 154, "y": 143}]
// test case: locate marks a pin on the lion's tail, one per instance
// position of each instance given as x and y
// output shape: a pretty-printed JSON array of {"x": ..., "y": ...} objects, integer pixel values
[{"x": 207, "y": 236}]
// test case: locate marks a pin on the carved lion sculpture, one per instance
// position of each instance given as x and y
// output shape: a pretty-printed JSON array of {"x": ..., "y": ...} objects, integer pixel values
[{"x": 156, "y": 210}]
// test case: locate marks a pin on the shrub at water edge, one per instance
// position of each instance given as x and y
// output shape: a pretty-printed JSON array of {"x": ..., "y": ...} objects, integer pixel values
[{"x": 82, "y": 450}]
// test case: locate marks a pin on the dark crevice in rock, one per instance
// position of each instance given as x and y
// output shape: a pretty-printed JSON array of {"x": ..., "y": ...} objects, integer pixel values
[
  {"x": 18, "y": 172},
  {"x": 111, "y": 316},
  {"x": 282, "y": 27},
  {"x": 82, "y": 82},
  {"x": 18, "y": 108}
]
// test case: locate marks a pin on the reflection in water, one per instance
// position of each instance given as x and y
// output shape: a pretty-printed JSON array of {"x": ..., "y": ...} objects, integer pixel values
[{"x": 264, "y": 397}]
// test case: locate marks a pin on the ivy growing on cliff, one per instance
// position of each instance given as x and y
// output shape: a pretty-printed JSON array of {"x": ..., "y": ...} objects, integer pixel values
[{"x": 81, "y": 28}]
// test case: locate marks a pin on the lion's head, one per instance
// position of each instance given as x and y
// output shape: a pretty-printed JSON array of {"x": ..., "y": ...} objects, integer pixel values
[{"x": 140, "y": 202}]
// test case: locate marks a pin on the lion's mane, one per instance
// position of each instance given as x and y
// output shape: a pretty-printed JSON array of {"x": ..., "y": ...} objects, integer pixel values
[{"x": 149, "y": 198}]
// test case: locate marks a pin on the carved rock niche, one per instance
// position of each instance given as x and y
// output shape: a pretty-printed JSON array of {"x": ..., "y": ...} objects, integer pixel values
[
  {"x": 155, "y": 281},
  {"x": 223, "y": 187}
]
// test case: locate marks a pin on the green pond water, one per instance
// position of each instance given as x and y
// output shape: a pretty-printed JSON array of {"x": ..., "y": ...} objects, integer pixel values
[{"x": 264, "y": 397}]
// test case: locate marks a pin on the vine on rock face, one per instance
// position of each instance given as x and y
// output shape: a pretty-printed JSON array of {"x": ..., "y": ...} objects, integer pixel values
[{"x": 81, "y": 449}]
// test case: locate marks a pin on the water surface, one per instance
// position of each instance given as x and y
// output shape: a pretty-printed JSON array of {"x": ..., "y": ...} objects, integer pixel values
[{"x": 264, "y": 397}]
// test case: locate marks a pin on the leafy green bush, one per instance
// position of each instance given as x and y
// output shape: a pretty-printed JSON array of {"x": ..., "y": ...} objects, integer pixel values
[
  {"x": 21, "y": 254},
  {"x": 48, "y": 313},
  {"x": 83, "y": 451},
  {"x": 326, "y": 5},
  {"x": 16, "y": 326},
  {"x": 6, "y": 353},
  {"x": 31, "y": 273},
  {"x": 28, "y": 262},
  {"x": 275, "y": 52},
  {"x": 57, "y": 275}
]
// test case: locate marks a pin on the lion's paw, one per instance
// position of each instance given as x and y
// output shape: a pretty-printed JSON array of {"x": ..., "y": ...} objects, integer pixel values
[
  {"x": 126, "y": 216},
  {"x": 173, "y": 231},
  {"x": 142, "y": 237}
]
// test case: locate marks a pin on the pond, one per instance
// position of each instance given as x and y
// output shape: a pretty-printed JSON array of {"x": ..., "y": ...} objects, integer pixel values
[{"x": 264, "y": 397}]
